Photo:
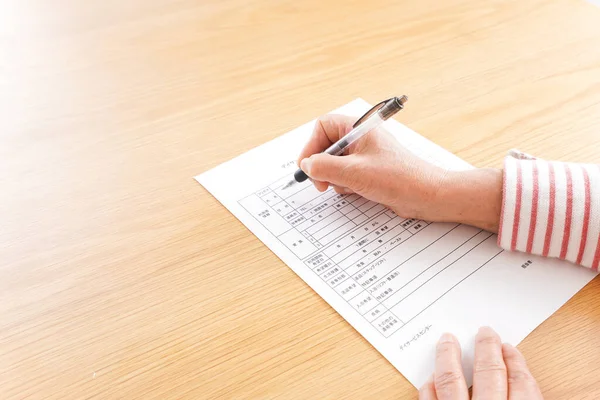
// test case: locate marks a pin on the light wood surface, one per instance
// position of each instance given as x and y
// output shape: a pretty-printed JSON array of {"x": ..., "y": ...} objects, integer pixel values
[{"x": 121, "y": 277}]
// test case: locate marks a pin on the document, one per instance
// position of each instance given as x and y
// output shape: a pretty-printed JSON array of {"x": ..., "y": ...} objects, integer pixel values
[{"x": 401, "y": 283}]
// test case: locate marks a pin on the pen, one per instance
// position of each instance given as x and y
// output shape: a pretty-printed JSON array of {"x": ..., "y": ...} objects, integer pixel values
[{"x": 371, "y": 120}]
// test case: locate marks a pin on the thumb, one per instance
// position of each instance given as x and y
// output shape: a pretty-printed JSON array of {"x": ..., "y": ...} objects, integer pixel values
[{"x": 337, "y": 170}]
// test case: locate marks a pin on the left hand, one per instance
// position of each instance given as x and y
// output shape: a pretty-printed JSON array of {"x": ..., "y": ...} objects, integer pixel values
[{"x": 499, "y": 372}]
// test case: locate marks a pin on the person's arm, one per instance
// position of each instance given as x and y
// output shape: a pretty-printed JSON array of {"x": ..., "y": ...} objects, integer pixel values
[{"x": 539, "y": 207}]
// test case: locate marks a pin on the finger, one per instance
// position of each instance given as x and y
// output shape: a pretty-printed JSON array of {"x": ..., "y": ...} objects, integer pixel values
[
  {"x": 337, "y": 170},
  {"x": 427, "y": 391},
  {"x": 342, "y": 190},
  {"x": 449, "y": 381},
  {"x": 489, "y": 370},
  {"x": 521, "y": 384},
  {"x": 328, "y": 129},
  {"x": 321, "y": 186}
]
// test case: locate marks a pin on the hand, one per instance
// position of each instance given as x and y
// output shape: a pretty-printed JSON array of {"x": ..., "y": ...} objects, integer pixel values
[
  {"x": 499, "y": 372},
  {"x": 378, "y": 168}
]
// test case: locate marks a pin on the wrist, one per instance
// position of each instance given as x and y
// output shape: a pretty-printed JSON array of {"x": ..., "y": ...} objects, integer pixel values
[{"x": 473, "y": 197}]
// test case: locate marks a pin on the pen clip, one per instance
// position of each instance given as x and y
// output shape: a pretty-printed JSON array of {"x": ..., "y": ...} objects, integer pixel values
[{"x": 373, "y": 109}]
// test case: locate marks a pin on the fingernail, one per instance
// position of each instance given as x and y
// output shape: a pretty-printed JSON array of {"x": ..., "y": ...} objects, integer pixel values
[
  {"x": 305, "y": 166},
  {"x": 447, "y": 338},
  {"x": 486, "y": 329},
  {"x": 348, "y": 191},
  {"x": 510, "y": 347}
]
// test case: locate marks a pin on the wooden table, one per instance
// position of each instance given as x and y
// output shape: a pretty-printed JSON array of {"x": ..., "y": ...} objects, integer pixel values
[{"x": 121, "y": 277}]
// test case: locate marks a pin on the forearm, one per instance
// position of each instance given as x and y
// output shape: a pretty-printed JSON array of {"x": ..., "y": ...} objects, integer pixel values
[{"x": 545, "y": 208}]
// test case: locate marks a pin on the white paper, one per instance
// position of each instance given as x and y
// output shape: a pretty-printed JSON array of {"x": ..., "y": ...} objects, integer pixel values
[{"x": 401, "y": 283}]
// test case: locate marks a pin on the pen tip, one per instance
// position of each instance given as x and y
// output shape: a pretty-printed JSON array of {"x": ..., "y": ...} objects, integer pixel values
[{"x": 289, "y": 184}]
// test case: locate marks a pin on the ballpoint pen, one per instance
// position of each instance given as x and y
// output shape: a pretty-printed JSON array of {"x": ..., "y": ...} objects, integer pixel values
[{"x": 371, "y": 120}]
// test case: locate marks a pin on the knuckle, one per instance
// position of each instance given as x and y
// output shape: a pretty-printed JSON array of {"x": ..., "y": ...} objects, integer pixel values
[
  {"x": 483, "y": 366},
  {"x": 318, "y": 129},
  {"x": 447, "y": 379},
  {"x": 520, "y": 377},
  {"x": 444, "y": 348},
  {"x": 489, "y": 339}
]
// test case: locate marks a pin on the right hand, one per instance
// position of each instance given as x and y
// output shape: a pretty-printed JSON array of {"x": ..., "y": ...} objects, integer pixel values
[{"x": 377, "y": 168}]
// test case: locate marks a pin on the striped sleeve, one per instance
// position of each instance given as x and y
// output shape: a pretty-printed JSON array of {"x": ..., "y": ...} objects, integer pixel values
[{"x": 551, "y": 209}]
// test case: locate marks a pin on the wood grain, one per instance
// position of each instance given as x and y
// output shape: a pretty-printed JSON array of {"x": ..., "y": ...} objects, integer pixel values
[{"x": 120, "y": 277}]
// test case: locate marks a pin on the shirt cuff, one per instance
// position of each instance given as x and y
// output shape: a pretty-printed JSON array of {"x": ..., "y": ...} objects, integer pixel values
[{"x": 551, "y": 209}]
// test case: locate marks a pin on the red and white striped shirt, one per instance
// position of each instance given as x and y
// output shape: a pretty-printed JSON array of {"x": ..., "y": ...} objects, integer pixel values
[{"x": 551, "y": 209}]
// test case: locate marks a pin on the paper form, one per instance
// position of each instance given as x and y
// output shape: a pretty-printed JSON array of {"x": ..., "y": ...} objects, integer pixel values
[{"x": 400, "y": 282}]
